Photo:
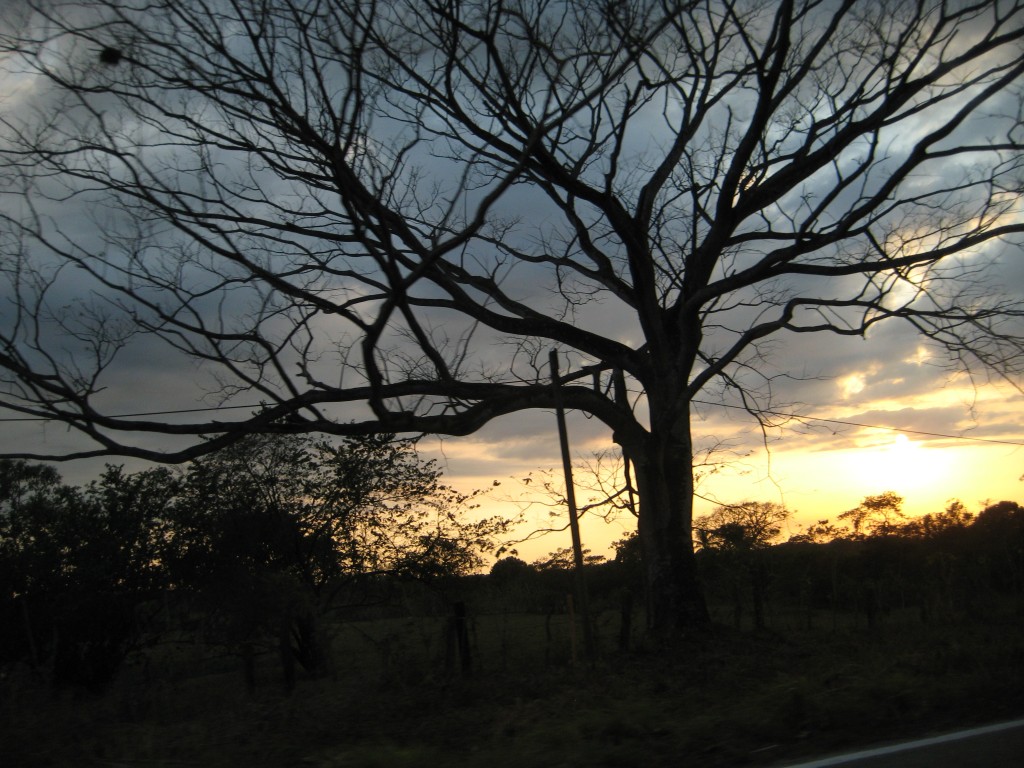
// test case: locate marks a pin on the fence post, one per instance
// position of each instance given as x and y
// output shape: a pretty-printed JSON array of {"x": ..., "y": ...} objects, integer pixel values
[{"x": 458, "y": 639}]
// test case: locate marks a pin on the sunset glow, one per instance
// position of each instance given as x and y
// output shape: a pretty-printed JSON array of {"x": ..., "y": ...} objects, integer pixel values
[{"x": 816, "y": 471}]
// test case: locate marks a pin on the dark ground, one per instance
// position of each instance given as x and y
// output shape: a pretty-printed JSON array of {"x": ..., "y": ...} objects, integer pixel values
[{"x": 726, "y": 698}]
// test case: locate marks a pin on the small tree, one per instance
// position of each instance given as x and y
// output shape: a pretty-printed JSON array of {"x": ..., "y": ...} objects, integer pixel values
[
  {"x": 735, "y": 535},
  {"x": 999, "y": 530},
  {"x": 82, "y": 562},
  {"x": 32, "y": 498},
  {"x": 747, "y": 525},
  {"x": 880, "y": 515},
  {"x": 953, "y": 519},
  {"x": 288, "y": 523},
  {"x": 819, "y": 532}
]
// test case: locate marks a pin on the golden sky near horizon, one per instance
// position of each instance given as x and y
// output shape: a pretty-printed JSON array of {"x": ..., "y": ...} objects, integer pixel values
[{"x": 817, "y": 469}]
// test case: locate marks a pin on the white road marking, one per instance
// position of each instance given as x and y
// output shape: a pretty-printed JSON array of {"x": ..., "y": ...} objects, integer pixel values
[{"x": 909, "y": 745}]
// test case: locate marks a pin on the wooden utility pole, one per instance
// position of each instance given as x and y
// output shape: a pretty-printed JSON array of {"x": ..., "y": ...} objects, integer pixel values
[{"x": 574, "y": 523}]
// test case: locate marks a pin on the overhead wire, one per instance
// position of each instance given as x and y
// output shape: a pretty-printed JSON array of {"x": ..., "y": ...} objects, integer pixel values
[
  {"x": 862, "y": 425},
  {"x": 780, "y": 414}
]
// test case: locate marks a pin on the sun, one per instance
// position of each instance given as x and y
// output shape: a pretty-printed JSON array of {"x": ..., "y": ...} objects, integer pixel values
[
  {"x": 902, "y": 464},
  {"x": 903, "y": 447}
]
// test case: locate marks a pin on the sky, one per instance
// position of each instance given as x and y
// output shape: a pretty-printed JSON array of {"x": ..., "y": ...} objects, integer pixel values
[
  {"x": 854, "y": 417},
  {"x": 816, "y": 467}
]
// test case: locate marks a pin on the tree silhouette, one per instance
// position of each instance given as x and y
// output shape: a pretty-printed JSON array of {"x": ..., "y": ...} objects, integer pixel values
[
  {"x": 999, "y": 529},
  {"x": 274, "y": 527},
  {"x": 31, "y": 500},
  {"x": 954, "y": 518},
  {"x": 747, "y": 525},
  {"x": 735, "y": 536},
  {"x": 880, "y": 515},
  {"x": 380, "y": 216},
  {"x": 77, "y": 564}
]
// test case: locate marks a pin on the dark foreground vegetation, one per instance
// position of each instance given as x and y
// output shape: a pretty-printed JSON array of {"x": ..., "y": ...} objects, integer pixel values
[
  {"x": 752, "y": 699},
  {"x": 333, "y": 615}
]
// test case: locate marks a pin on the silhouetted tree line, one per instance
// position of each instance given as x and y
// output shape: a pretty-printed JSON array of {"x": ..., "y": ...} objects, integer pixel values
[
  {"x": 948, "y": 565},
  {"x": 248, "y": 548},
  {"x": 945, "y": 566},
  {"x": 256, "y": 548}
]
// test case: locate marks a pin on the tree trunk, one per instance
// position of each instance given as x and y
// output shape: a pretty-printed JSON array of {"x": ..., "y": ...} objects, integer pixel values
[
  {"x": 757, "y": 587},
  {"x": 311, "y": 647},
  {"x": 286, "y": 655},
  {"x": 664, "y": 473}
]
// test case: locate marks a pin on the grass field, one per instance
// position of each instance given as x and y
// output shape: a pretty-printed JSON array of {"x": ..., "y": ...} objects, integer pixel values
[{"x": 722, "y": 699}]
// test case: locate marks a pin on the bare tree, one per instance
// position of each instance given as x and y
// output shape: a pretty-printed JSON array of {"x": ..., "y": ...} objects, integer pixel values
[{"x": 380, "y": 216}]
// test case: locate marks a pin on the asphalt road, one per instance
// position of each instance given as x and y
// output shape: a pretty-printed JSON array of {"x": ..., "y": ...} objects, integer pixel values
[{"x": 992, "y": 746}]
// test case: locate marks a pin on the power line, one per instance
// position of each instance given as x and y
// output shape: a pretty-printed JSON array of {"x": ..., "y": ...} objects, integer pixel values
[
  {"x": 799, "y": 417},
  {"x": 780, "y": 414}
]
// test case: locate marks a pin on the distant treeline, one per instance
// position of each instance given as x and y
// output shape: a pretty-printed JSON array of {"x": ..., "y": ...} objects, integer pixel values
[
  {"x": 949, "y": 565},
  {"x": 952, "y": 565},
  {"x": 265, "y": 549}
]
